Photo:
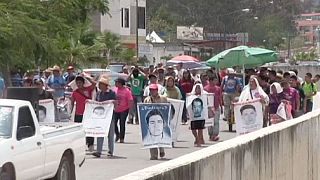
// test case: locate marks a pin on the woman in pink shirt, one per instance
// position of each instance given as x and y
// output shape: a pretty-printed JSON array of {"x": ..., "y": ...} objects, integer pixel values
[{"x": 124, "y": 102}]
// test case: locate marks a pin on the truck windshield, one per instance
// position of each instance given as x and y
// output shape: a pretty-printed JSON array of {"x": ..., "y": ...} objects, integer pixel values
[{"x": 6, "y": 115}]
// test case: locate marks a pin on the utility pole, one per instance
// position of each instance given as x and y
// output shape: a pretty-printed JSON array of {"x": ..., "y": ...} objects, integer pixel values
[{"x": 137, "y": 30}]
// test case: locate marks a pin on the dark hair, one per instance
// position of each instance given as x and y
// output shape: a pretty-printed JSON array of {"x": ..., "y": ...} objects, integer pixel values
[
  {"x": 213, "y": 78},
  {"x": 295, "y": 71},
  {"x": 273, "y": 72},
  {"x": 197, "y": 99},
  {"x": 294, "y": 77},
  {"x": 80, "y": 78},
  {"x": 153, "y": 112},
  {"x": 189, "y": 75},
  {"x": 121, "y": 81},
  {"x": 42, "y": 108},
  {"x": 286, "y": 74},
  {"x": 309, "y": 75},
  {"x": 317, "y": 76},
  {"x": 264, "y": 78},
  {"x": 248, "y": 106},
  {"x": 99, "y": 108}
]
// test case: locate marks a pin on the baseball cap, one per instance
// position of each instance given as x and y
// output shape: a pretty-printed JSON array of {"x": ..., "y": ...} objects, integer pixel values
[{"x": 153, "y": 87}]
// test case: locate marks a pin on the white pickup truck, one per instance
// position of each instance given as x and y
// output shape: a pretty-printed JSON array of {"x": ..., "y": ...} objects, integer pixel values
[{"x": 29, "y": 151}]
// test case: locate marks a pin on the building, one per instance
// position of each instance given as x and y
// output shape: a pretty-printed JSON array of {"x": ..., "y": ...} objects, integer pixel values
[
  {"x": 122, "y": 21},
  {"x": 307, "y": 25}
]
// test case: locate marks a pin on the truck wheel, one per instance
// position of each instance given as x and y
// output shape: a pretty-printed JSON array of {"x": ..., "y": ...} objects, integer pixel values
[
  {"x": 66, "y": 169},
  {"x": 7, "y": 174}
]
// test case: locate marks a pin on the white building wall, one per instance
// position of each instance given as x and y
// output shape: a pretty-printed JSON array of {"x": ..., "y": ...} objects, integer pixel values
[{"x": 112, "y": 22}]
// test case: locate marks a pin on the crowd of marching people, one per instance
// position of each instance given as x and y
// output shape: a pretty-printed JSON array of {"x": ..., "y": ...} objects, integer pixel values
[{"x": 157, "y": 83}]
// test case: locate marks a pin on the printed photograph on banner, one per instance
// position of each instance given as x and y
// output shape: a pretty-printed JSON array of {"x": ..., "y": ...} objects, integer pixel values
[
  {"x": 155, "y": 125},
  {"x": 197, "y": 107},
  {"x": 175, "y": 117},
  {"x": 97, "y": 118},
  {"x": 248, "y": 116},
  {"x": 46, "y": 111}
]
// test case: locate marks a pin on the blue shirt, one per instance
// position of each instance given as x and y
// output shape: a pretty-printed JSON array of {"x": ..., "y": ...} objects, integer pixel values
[
  {"x": 105, "y": 96},
  {"x": 57, "y": 83},
  {"x": 230, "y": 84}
]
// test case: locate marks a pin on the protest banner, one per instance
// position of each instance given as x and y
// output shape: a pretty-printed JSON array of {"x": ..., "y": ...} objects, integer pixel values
[
  {"x": 197, "y": 107},
  {"x": 97, "y": 118},
  {"x": 175, "y": 117},
  {"x": 248, "y": 116},
  {"x": 46, "y": 111},
  {"x": 155, "y": 125}
]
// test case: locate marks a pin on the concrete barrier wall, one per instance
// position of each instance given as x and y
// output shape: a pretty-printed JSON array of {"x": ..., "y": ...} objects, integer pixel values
[{"x": 286, "y": 151}]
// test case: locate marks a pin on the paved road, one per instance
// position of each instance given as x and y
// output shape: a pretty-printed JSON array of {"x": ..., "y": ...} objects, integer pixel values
[{"x": 129, "y": 157}]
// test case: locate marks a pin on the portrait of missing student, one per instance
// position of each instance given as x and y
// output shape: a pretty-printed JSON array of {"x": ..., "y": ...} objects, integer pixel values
[
  {"x": 46, "y": 111},
  {"x": 42, "y": 113},
  {"x": 99, "y": 113},
  {"x": 197, "y": 107},
  {"x": 97, "y": 118},
  {"x": 155, "y": 125},
  {"x": 248, "y": 116},
  {"x": 176, "y": 116}
]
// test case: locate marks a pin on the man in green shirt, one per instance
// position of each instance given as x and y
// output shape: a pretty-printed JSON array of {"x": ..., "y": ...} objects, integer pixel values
[
  {"x": 136, "y": 79},
  {"x": 309, "y": 89}
]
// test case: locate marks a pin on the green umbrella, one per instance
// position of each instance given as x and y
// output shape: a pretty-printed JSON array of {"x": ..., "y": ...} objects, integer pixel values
[{"x": 242, "y": 56}]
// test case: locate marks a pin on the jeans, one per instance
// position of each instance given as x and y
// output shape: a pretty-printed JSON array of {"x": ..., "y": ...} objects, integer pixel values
[
  {"x": 122, "y": 116},
  {"x": 134, "y": 111},
  {"x": 110, "y": 139},
  {"x": 214, "y": 130},
  {"x": 309, "y": 105},
  {"x": 227, "y": 99},
  {"x": 154, "y": 152}
]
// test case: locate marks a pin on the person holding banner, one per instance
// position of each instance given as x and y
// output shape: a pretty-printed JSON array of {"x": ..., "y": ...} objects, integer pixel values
[
  {"x": 155, "y": 98},
  {"x": 173, "y": 92},
  {"x": 213, "y": 87},
  {"x": 254, "y": 91},
  {"x": 105, "y": 94},
  {"x": 83, "y": 91},
  {"x": 197, "y": 117}
]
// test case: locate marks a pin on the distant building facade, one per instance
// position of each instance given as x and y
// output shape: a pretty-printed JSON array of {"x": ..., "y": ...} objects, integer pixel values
[
  {"x": 307, "y": 25},
  {"x": 122, "y": 21}
]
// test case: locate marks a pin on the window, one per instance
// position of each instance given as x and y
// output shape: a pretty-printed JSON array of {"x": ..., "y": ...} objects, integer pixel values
[
  {"x": 121, "y": 17},
  {"x": 141, "y": 17},
  {"x": 126, "y": 17},
  {"x": 25, "y": 122}
]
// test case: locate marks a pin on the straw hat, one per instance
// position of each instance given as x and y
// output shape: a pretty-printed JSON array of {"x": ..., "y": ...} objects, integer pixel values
[
  {"x": 56, "y": 68},
  {"x": 104, "y": 80}
]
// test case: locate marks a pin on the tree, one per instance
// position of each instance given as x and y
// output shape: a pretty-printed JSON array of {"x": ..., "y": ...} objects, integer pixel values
[
  {"x": 110, "y": 44},
  {"x": 33, "y": 31}
]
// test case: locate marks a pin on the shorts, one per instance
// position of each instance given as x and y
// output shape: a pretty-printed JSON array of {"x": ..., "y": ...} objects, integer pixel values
[{"x": 199, "y": 124}]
